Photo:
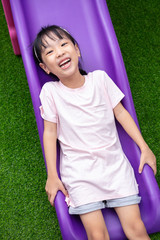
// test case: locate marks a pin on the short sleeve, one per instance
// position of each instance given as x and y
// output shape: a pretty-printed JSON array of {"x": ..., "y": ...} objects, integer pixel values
[
  {"x": 114, "y": 93},
  {"x": 48, "y": 108}
]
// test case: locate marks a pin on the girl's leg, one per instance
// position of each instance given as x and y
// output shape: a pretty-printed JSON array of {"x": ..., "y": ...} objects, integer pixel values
[
  {"x": 95, "y": 226},
  {"x": 131, "y": 222}
]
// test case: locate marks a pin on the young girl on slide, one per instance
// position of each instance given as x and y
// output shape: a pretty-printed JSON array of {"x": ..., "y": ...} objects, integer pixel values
[{"x": 80, "y": 111}]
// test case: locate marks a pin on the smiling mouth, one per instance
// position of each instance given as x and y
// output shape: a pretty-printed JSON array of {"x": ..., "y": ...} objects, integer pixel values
[{"x": 65, "y": 63}]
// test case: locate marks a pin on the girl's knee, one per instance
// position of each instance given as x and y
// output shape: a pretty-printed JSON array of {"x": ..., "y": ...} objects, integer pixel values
[
  {"x": 98, "y": 235},
  {"x": 137, "y": 230}
]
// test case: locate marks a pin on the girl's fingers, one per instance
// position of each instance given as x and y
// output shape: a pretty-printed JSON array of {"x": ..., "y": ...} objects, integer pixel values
[
  {"x": 51, "y": 197},
  {"x": 52, "y": 200},
  {"x": 154, "y": 168},
  {"x": 141, "y": 167},
  {"x": 151, "y": 164},
  {"x": 64, "y": 191}
]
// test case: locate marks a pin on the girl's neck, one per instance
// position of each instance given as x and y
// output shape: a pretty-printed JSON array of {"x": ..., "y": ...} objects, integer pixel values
[{"x": 75, "y": 81}]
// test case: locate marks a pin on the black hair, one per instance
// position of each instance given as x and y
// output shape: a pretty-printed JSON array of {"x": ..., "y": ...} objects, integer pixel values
[{"x": 50, "y": 31}]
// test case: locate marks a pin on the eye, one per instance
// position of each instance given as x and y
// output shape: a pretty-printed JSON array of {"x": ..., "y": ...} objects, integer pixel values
[
  {"x": 49, "y": 52},
  {"x": 63, "y": 44}
]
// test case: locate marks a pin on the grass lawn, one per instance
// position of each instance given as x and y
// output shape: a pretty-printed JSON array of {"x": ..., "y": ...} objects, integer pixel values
[{"x": 25, "y": 211}]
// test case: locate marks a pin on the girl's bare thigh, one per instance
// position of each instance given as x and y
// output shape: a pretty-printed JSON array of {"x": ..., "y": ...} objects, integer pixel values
[
  {"x": 95, "y": 226},
  {"x": 131, "y": 222}
]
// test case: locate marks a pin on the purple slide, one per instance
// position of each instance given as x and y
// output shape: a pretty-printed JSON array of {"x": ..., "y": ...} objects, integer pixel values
[{"x": 90, "y": 24}]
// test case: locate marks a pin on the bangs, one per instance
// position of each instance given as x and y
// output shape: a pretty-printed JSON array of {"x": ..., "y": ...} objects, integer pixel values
[{"x": 54, "y": 34}]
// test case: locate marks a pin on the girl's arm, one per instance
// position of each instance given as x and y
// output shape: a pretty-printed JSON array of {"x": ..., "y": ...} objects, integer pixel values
[
  {"x": 53, "y": 184},
  {"x": 127, "y": 122}
]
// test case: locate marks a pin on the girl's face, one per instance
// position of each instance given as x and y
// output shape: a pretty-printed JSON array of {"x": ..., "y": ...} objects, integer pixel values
[{"x": 60, "y": 57}]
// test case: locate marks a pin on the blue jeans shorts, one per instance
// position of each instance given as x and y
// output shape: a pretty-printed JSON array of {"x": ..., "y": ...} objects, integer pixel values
[{"x": 119, "y": 202}]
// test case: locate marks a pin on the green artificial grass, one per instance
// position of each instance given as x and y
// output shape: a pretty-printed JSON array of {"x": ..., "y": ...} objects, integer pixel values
[{"x": 24, "y": 208}]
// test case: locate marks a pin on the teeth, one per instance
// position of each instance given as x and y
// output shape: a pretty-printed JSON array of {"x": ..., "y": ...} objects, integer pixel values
[{"x": 64, "y": 62}]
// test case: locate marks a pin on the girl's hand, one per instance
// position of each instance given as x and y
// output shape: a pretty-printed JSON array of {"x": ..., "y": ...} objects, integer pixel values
[
  {"x": 147, "y": 157},
  {"x": 53, "y": 185}
]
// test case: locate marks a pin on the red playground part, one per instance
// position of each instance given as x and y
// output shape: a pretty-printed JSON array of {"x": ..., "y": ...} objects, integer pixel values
[{"x": 11, "y": 26}]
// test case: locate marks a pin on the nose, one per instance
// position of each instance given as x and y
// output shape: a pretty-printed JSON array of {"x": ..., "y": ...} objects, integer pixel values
[{"x": 59, "y": 52}]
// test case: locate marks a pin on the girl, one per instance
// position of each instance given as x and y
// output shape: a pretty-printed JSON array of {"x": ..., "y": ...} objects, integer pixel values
[{"x": 80, "y": 111}]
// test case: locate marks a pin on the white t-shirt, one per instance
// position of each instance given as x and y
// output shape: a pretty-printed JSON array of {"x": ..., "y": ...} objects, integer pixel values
[{"x": 93, "y": 166}]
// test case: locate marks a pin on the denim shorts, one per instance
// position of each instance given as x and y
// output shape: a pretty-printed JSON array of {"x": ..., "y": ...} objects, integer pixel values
[{"x": 112, "y": 203}]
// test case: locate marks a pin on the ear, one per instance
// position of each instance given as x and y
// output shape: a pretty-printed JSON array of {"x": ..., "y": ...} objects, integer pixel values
[
  {"x": 77, "y": 50},
  {"x": 44, "y": 67}
]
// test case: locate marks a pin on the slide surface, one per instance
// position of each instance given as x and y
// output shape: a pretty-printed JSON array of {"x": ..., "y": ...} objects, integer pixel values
[{"x": 90, "y": 24}]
